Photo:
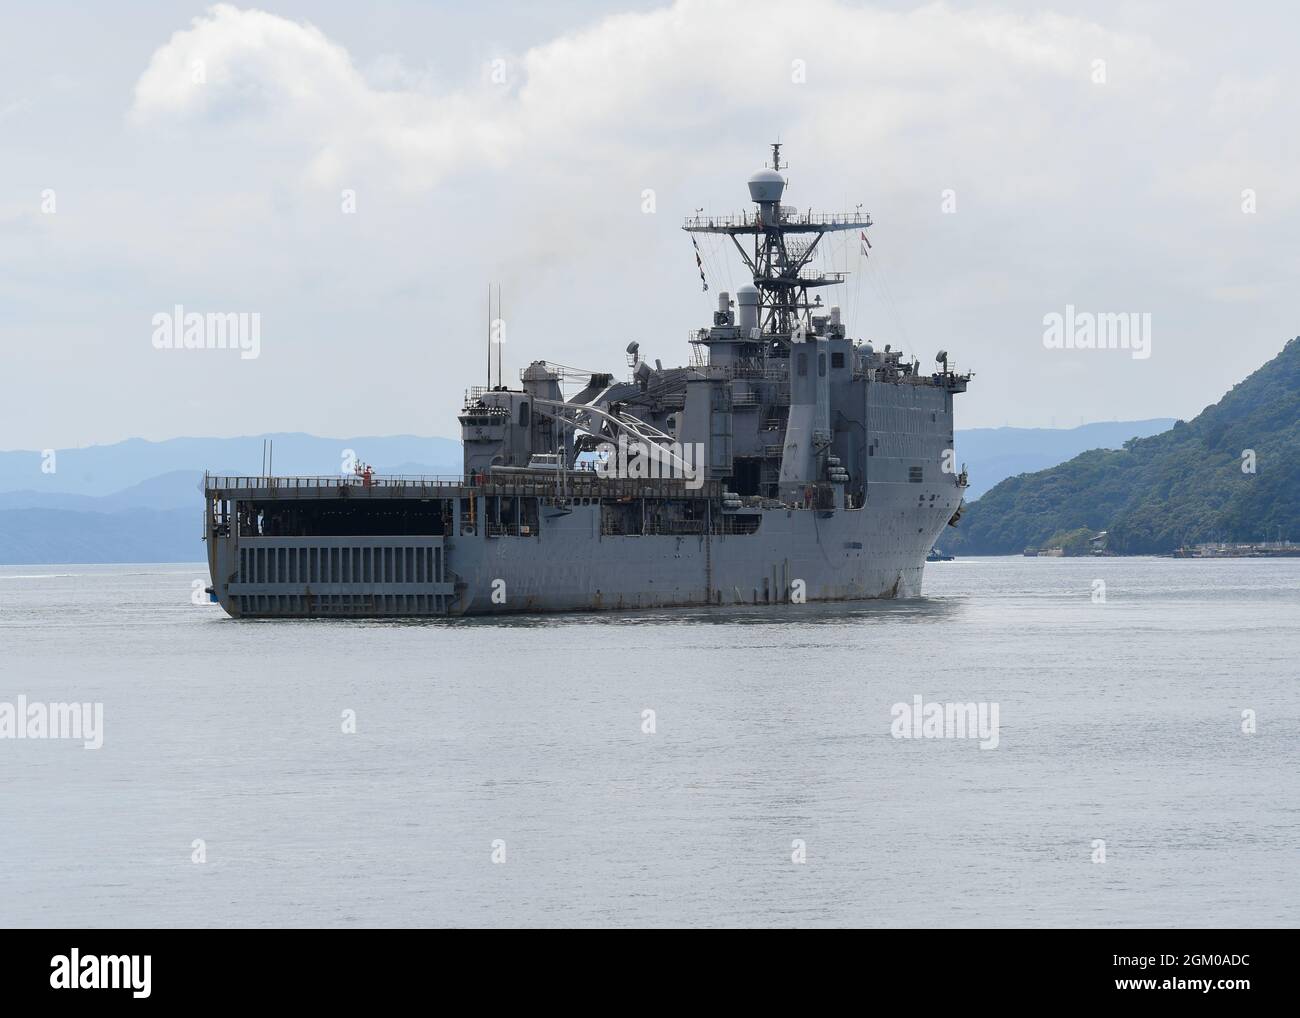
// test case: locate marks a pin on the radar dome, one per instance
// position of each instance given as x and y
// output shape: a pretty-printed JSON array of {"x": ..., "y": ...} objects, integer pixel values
[{"x": 766, "y": 185}]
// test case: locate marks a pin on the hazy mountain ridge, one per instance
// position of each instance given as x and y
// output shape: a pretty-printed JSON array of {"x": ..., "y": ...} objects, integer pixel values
[
  {"x": 174, "y": 490},
  {"x": 1183, "y": 486},
  {"x": 101, "y": 470},
  {"x": 994, "y": 454}
]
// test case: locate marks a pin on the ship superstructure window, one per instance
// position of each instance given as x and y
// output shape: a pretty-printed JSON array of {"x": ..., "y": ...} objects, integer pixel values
[
  {"x": 914, "y": 475},
  {"x": 821, "y": 365},
  {"x": 837, "y": 359},
  {"x": 803, "y": 364},
  {"x": 523, "y": 415}
]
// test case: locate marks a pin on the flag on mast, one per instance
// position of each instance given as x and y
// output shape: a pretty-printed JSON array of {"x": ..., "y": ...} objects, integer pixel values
[
  {"x": 699, "y": 263},
  {"x": 866, "y": 244}
]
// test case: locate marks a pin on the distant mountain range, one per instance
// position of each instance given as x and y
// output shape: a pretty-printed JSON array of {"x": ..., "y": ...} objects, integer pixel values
[
  {"x": 1230, "y": 474},
  {"x": 108, "y": 469},
  {"x": 139, "y": 501}
]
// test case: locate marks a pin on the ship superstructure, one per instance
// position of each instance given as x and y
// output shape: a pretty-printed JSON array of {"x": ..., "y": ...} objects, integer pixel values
[{"x": 788, "y": 462}]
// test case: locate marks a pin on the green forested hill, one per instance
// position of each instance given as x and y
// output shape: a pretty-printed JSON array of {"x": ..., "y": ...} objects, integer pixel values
[{"x": 1182, "y": 486}]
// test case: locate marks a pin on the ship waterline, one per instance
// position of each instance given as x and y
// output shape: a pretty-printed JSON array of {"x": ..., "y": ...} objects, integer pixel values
[{"x": 819, "y": 469}]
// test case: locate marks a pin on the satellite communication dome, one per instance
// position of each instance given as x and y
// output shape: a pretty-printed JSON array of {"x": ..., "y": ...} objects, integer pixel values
[{"x": 766, "y": 185}]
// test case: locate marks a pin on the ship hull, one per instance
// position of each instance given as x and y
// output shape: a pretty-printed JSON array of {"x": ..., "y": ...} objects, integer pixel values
[
  {"x": 796, "y": 555},
  {"x": 567, "y": 564}
]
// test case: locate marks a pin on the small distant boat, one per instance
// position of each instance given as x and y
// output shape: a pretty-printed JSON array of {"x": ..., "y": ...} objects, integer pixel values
[
  {"x": 937, "y": 556},
  {"x": 1261, "y": 549}
]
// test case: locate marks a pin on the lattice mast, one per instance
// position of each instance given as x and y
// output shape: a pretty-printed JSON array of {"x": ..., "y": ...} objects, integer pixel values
[{"x": 778, "y": 264}]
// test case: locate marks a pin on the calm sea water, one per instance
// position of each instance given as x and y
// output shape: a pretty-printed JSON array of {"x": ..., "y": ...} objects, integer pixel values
[{"x": 1119, "y": 722}]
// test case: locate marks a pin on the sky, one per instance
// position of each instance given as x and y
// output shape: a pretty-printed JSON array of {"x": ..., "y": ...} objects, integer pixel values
[{"x": 357, "y": 174}]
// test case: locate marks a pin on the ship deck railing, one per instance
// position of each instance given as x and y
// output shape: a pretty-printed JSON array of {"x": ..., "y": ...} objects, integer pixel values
[
  {"x": 222, "y": 482},
  {"x": 572, "y": 484},
  {"x": 771, "y": 371},
  {"x": 951, "y": 379},
  {"x": 789, "y": 215}
]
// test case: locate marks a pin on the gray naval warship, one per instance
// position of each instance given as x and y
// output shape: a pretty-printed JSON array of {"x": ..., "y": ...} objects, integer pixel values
[{"x": 787, "y": 463}]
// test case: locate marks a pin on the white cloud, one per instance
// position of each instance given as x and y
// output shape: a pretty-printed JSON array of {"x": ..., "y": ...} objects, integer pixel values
[
  {"x": 235, "y": 67},
  {"x": 683, "y": 72}
]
